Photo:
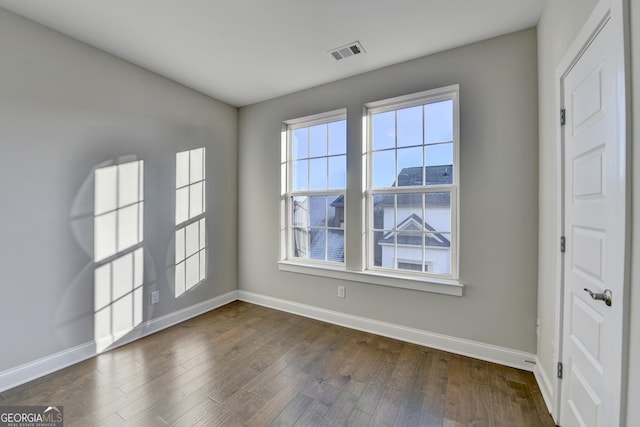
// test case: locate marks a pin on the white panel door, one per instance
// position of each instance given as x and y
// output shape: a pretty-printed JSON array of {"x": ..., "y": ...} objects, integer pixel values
[{"x": 594, "y": 225}]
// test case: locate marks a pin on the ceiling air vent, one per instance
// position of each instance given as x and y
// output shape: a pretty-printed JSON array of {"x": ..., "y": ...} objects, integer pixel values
[{"x": 346, "y": 51}]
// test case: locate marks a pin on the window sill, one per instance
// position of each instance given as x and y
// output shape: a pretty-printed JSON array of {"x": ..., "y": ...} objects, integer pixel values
[{"x": 427, "y": 284}]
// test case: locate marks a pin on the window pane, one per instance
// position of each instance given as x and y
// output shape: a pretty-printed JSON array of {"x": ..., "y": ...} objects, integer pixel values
[
  {"x": 318, "y": 239},
  {"x": 410, "y": 126},
  {"x": 337, "y": 172},
  {"x": 409, "y": 250},
  {"x": 383, "y": 211},
  {"x": 338, "y": 137},
  {"x": 384, "y": 169},
  {"x": 300, "y": 241},
  {"x": 438, "y": 252},
  {"x": 310, "y": 174},
  {"x": 439, "y": 160},
  {"x": 409, "y": 215},
  {"x": 384, "y": 248},
  {"x": 438, "y": 122},
  {"x": 318, "y": 211},
  {"x": 300, "y": 175},
  {"x": 411, "y": 243},
  {"x": 300, "y": 143},
  {"x": 335, "y": 245},
  {"x": 439, "y": 154},
  {"x": 409, "y": 266},
  {"x": 410, "y": 166},
  {"x": 300, "y": 212},
  {"x": 318, "y": 140},
  {"x": 335, "y": 211},
  {"x": 318, "y": 174},
  {"x": 438, "y": 211},
  {"x": 384, "y": 130}
]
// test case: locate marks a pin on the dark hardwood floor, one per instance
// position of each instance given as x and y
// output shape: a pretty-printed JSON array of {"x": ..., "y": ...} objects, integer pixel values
[{"x": 246, "y": 365}]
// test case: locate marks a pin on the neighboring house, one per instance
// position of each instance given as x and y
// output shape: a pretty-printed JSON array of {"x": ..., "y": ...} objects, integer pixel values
[
  {"x": 408, "y": 234},
  {"x": 323, "y": 237},
  {"x": 319, "y": 233}
]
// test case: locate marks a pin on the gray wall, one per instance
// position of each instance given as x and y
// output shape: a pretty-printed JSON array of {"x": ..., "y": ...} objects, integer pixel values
[
  {"x": 499, "y": 187},
  {"x": 560, "y": 23},
  {"x": 65, "y": 108}
]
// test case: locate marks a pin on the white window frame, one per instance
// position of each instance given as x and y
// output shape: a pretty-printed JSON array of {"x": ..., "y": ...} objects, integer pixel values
[
  {"x": 287, "y": 192},
  {"x": 398, "y": 103},
  {"x": 356, "y": 269}
]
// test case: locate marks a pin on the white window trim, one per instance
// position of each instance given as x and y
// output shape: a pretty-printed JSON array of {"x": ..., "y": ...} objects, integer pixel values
[
  {"x": 286, "y": 208},
  {"x": 423, "y": 282},
  {"x": 396, "y": 103},
  {"x": 414, "y": 282}
]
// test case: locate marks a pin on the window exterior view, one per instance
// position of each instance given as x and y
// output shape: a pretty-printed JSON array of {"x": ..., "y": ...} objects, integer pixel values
[
  {"x": 316, "y": 182},
  {"x": 412, "y": 183}
]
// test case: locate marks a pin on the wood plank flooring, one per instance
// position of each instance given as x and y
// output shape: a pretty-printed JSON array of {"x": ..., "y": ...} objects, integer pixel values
[{"x": 246, "y": 365}]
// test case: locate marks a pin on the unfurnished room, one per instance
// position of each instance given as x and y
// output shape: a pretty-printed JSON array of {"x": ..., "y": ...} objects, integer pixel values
[{"x": 319, "y": 213}]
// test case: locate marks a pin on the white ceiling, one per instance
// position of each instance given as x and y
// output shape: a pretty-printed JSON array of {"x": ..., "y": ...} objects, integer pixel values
[{"x": 244, "y": 51}]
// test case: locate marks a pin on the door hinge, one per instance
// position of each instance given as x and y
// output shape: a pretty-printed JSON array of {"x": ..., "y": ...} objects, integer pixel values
[
  {"x": 563, "y": 117},
  {"x": 560, "y": 370},
  {"x": 563, "y": 244}
]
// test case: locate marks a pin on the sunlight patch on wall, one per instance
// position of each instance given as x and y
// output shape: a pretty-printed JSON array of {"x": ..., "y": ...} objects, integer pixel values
[
  {"x": 190, "y": 237},
  {"x": 118, "y": 252}
]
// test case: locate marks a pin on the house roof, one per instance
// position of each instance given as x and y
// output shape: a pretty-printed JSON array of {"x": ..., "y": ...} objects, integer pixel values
[
  {"x": 436, "y": 175},
  {"x": 409, "y": 224},
  {"x": 338, "y": 202},
  {"x": 335, "y": 244}
]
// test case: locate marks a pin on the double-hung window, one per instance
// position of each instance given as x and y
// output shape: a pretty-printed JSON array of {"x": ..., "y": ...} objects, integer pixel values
[
  {"x": 412, "y": 184},
  {"x": 314, "y": 171}
]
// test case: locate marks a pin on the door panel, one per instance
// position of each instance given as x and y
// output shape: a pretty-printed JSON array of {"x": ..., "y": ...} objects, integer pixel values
[{"x": 594, "y": 220}]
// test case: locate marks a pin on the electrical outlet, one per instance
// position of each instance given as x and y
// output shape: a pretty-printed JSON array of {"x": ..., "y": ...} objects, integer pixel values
[
  {"x": 155, "y": 297},
  {"x": 342, "y": 291}
]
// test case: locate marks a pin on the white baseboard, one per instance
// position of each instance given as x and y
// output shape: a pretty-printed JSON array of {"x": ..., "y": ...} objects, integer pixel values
[
  {"x": 477, "y": 350},
  {"x": 546, "y": 387},
  {"x": 46, "y": 365},
  {"x": 501, "y": 355}
]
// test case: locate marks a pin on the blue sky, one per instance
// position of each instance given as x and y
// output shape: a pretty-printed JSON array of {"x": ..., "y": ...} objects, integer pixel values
[{"x": 394, "y": 133}]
